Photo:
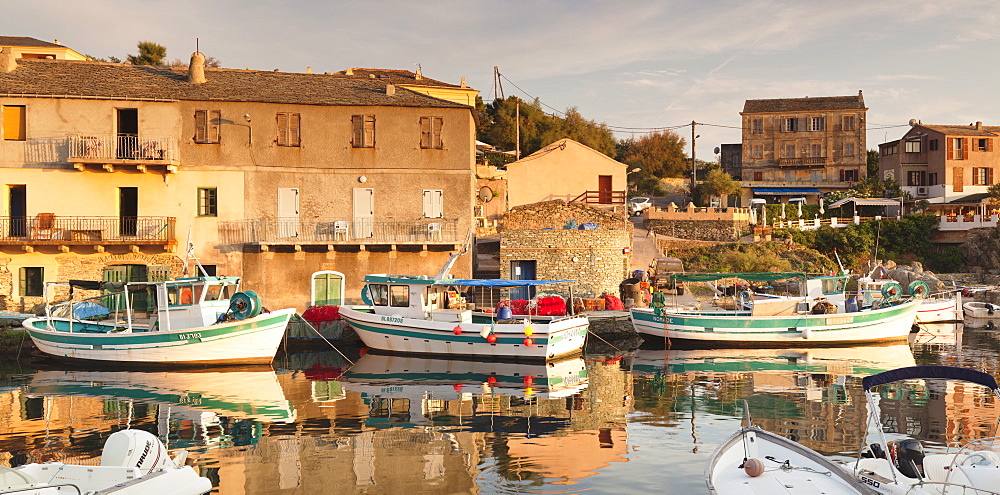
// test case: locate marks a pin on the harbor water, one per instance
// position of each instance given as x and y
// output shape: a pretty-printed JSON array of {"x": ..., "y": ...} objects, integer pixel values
[{"x": 637, "y": 422}]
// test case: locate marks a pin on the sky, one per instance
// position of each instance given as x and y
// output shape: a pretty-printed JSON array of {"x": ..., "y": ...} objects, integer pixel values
[{"x": 635, "y": 66}]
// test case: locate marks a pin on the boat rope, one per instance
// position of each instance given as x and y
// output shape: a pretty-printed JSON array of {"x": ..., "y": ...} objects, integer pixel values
[
  {"x": 605, "y": 341},
  {"x": 786, "y": 465},
  {"x": 330, "y": 343}
]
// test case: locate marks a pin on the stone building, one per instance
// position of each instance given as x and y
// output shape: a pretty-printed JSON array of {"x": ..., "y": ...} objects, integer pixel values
[
  {"x": 543, "y": 241},
  {"x": 107, "y": 169},
  {"x": 802, "y": 146}
]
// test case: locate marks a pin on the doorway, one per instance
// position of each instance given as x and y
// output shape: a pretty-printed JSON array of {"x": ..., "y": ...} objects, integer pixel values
[
  {"x": 18, "y": 208},
  {"x": 327, "y": 288},
  {"x": 128, "y": 211},
  {"x": 522, "y": 270},
  {"x": 288, "y": 212},
  {"x": 128, "y": 132},
  {"x": 604, "y": 183},
  {"x": 364, "y": 212}
]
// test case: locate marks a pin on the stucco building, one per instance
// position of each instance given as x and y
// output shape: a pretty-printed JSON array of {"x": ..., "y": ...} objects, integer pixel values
[
  {"x": 566, "y": 170},
  {"x": 802, "y": 146},
  {"x": 27, "y": 47},
  {"x": 108, "y": 169}
]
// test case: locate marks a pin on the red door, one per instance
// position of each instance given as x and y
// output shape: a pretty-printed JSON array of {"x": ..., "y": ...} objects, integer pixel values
[{"x": 604, "y": 189}]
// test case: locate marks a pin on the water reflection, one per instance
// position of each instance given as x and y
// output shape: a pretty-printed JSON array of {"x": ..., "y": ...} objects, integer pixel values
[{"x": 386, "y": 424}]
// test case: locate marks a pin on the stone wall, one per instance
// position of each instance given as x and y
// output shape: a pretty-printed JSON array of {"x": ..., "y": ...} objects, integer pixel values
[
  {"x": 557, "y": 213},
  {"x": 705, "y": 230},
  {"x": 594, "y": 259}
]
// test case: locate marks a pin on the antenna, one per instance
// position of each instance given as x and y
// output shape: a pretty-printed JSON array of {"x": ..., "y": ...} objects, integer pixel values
[{"x": 197, "y": 47}]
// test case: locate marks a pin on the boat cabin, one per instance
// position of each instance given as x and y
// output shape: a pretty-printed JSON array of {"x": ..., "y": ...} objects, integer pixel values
[
  {"x": 421, "y": 298},
  {"x": 192, "y": 302}
]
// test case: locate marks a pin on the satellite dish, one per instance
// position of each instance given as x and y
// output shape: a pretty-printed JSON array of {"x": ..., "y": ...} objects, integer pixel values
[
  {"x": 485, "y": 194},
  {"x": 716, "y": 150},
  {"x": 913, "y": 122}
]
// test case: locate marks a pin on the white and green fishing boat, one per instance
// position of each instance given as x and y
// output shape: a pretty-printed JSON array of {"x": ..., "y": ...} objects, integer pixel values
[
  {"x": 819, "y": 316},
  {"x": 414, "y": 314},
  {"x": 187, "y": 321}
]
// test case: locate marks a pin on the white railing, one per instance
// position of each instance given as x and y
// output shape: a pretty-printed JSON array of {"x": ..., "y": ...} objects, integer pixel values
[
  {"x": 122, "y": 147},
  {"x": 966, "y": 222}
]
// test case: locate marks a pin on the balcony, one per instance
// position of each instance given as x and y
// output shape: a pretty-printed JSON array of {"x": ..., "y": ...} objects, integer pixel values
[
  {"x": 803, "y": 162},
  {"x": 47, "y": 229},
  {"x": 108, "y": 151},
  {"x": 339, "y": 231}
]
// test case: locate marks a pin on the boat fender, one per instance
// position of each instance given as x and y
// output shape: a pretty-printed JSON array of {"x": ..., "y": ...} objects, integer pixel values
[
  {"x": 754, "y": 467},
  {"x": 457, "y": 330},
  {"x": 918, "y": 289},
  {"x": 135, "y": 448},
  {"x": 245, "y": 305},
  {"x": 487, "y": 330},
  {"x": 989, "y": 308},
  {"x": 806, "y": 333}
]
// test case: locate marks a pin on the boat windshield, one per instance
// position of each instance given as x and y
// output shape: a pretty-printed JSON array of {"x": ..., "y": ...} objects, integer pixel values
[{"x": 833, "y": 285}]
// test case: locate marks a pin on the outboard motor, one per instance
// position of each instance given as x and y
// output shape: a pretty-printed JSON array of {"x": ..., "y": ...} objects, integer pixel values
[
  {"x": 908, "y": 457},
  {"x": 135, "y": 448}
]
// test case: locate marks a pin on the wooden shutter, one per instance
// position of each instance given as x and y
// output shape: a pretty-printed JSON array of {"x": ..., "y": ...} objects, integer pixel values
[
  {"x": 437, "y": 123},
  {"x": 369, "y": 141},
  {"x": 159, "y": 273},
  {"x": 294, "y": 127},
  {"x": 282, "y": 129},
  {"x": 965, "y": 148},
  {"x": 14, "y": 122},
  {"x": 214, "y": 117},
  {"x": 358, "y": 125},
  {"x": 425, "y": 132},
  {"x": 989, "y": 144},
  {"x": 23, "y": 281},
  {"x": 200, "y": 126},
  {"x": 950, "y": 142}
]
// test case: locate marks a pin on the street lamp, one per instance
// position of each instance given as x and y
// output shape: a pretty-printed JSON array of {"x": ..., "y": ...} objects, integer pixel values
[{"x": 630, "y": 172}]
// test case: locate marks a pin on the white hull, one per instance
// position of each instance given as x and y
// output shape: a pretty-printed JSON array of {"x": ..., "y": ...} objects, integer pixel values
[
  {"x": 981, "y": 310},
  {"x": 939, "y": 311},
  {"x": 560, "y": 337},
  {"x": 251, "y": 341},
  {"x": 882, "y": 325}
]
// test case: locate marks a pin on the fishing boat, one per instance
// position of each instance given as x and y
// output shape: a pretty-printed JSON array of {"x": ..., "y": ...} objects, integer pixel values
[
  {"x": 426, "y": 315},
  {"x": 901, "y": 466},
  {"x": 754, "y": 460},
  {"x": 819, "y": 316},
  {"x": 133, "y": 462},
  {"x": 187, "y": 321},
  {"x": 981, "y": 310},
  {"x": 935, "y": 307}
]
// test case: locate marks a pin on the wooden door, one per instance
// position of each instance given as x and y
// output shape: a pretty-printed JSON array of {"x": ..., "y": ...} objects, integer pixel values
[
  {"x": 957, "y": 178},
  {"x": 604, "y": 183},
  {"x": 288, "y": 212},
  {"x": 364, "y": 213}
]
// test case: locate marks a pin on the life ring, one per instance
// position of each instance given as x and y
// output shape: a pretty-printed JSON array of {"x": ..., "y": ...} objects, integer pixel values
[
  {"x": 366, "y": 296},
  {"x": 918, "y": 289},
  {"x": 186, "y": 296},
  {"x": 891, "y": 291}
]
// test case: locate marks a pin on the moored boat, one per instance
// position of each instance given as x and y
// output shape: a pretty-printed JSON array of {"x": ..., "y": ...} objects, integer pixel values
[
  {"x": 981, "y": 310},
  {"x": 421, "y": 315},
  {"x": 187, "y": 321},
  {"x": 754, "y": 460},
  {"x": 819, "y": 316},
  {"x": 133, "y": 462},
  {"x": 901, "y": 466}
]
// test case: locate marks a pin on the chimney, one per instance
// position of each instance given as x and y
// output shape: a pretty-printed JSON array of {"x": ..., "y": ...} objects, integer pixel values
[
  {"x": 418, "y": 76},
  {"x": 390, "y": 89},
  {"x": 979, "y": 125},
  {"x": 463, "y": 83},
  {"x": 7, "y": 62},
  {"x": 196, "y": 70},
  {"x": 56, "y": 41},
  {"x": 349, "y": 72},
  {"x": 309, "y": 70}
]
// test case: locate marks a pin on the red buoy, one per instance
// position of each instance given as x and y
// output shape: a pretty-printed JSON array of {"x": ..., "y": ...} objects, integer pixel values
[
  {"x": 528, "y": 342},
  {"x": 457, "y": 330},
  {"x": 528, "y": 381},
  {"x": 753, "y": 467},
  {"x": 491, "y": 338},
  {"x": 491, "y": 379}
]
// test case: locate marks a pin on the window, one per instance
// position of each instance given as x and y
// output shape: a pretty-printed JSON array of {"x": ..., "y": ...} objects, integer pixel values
[
  {"x": 932, "y": 179},
  {"x": 889, "y": 150},
  {"x": 433, "y": 203},
  {"x": 757, "y": 126},
  {"x": 915, "y": 178},
  {"x": 817, "y": 123},
  {"x": 932, "y": 145},
  {"x": 817, "y": 150},
  {"x": 848, "y": 122},
  {"x": 206, "y": 126},
  {"x": 32, "y": 281},
  {"x": 790, "y": 125},
  {"x": 758, "y": 151},
  {"x": 912, "y": 146},
  {"x": 789, "y": 151},
  {"x": 849, "y": 175},
  {"x": 982, "y": 176},
  {"x": 957, "y": 153},
  {"x": 399, "y": 296},
  {"x": 289, "y": 129},
  {"x": 364, "y": 131},
  {"x": 430, "y": 132},
  {"x": 848, "y": 149},
  {"x": 379, "y": 294},
  {"x": 984, "y": 144},
  {"x": 14, "y": 122},
  {"x": 208, "y": 202},
  {"x": 758, "y": 176}
]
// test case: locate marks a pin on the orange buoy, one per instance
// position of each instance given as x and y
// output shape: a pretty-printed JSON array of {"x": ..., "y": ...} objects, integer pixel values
[
  {"x": 491, "y": 338},
  {"x": 491, "y": 379},
  {"x": 186, "y": 295},
  {"x": 753, "y": 467},
  {"x": 528, "y": 342}
]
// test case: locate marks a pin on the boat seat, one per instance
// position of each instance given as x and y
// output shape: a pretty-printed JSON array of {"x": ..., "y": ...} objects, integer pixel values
[{"x": 12, "y": 479}]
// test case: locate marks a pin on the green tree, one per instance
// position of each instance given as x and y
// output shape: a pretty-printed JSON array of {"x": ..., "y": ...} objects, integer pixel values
[
  {"x": 660, "y": 154},
  {"x": 717, "y": 183},
  {"x": 499, "y": 127},
  {"x": 994, "y": 192},
  {"x": 150, "y": 53},
  {"x": 872, "y": 163}
]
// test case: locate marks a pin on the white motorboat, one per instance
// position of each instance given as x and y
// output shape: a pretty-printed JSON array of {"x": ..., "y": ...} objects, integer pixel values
[
  {"x": 133, "y": 462},
  {"x": 819, "y": 316},
  {"x": 754, "y": 460},
  {"x": 902, "y": 467},
  {"x": 981, "y": 310}
]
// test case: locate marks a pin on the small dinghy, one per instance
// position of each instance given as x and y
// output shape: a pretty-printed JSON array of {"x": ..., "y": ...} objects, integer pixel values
[
  {"x": 134, "y": 462},
  {"x": 981, "y": 310},
  {"x": 754, "y": 460}
]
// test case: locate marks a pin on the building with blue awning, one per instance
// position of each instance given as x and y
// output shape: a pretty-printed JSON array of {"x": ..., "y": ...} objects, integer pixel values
[{"x": 786, "y": 191}]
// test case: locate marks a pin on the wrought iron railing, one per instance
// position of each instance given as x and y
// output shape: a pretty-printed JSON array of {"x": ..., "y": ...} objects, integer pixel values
[
  {"x": 122, "y": 147},
  {"x": 48, "y": 228},
  {"x": 807, "y": 161},
  {"x": 338, "y": 230}
]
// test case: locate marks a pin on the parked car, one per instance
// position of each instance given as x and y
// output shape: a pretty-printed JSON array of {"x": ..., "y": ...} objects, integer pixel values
[
  {"x": 797, "y": 201},
  {"x": 660, "y": 271},
  {"x": 637, "y": 204}
]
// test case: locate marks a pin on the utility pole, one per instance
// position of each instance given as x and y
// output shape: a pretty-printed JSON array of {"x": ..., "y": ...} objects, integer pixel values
[
  {"x": 694, "y": 164},
  {"x": 517, "y": 132},
  {"x": 497, "y": 84}
]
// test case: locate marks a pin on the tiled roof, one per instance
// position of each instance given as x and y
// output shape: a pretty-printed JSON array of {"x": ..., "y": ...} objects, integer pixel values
[
  {"x": 101, "y": 79},
  {"x": 965, "y": 130},
  {"x": 807, "y": 104},
  {"x": 398, "y": 76},
  {"x": 25, "y": 41}
]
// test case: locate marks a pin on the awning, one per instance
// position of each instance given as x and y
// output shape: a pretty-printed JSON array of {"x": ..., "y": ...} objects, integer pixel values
[
  {"x": 866, "y": 202},
  {"x": 784, "y": 191}
]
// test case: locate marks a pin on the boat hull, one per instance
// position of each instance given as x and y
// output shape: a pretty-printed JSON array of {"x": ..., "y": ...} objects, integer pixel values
[
  {"x": 558, "y": 338},
  {"x": 882, "y": 325},
  {"x": 981, "y": 311},
  {"x": 250, "y": 341},
  {"x": 939, "y": 311}
]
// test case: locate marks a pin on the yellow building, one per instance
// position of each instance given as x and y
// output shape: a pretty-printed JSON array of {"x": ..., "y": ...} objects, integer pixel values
[
  {"x": 25, "y": 47},
  {"x": 415, "y": 81},
  {"x": 108, "y": 169},
  {"x": 566, "y": 170}
]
